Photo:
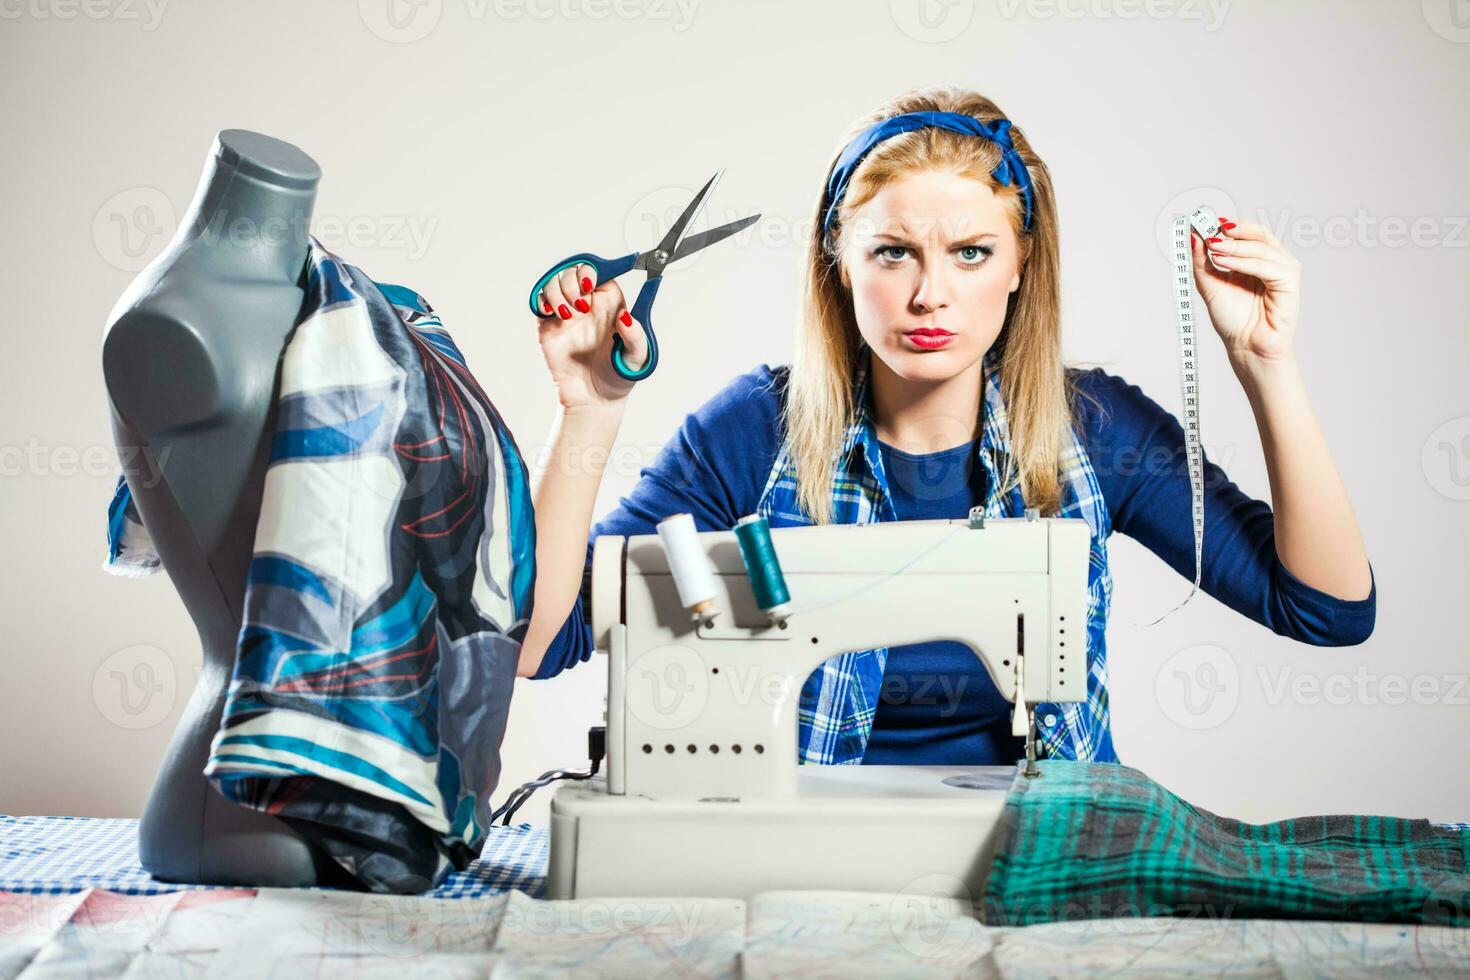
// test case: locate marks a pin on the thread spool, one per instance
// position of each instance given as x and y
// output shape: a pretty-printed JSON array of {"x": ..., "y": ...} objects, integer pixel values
[
  {"x": 753, "y": 533},
  {"x": 688, "y": 563}
]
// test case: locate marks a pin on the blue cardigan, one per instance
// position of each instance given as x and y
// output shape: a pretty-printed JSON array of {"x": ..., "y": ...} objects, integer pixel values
[{"x": 938, "y": 705}]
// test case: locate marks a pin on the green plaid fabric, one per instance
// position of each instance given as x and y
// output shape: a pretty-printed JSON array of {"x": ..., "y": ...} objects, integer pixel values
[{"x": 1093, "y": 841}]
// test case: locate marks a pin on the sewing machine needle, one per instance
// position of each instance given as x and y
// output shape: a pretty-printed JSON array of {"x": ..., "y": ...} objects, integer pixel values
[{"x": 1031, "y": 772}]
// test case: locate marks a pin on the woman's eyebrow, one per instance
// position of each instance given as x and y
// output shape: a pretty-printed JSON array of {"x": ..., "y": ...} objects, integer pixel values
[{"x": 901, "y": 239}]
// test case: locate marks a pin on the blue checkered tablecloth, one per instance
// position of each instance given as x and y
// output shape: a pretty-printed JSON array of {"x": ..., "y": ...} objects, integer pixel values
[{"x": 56, "y": 855}]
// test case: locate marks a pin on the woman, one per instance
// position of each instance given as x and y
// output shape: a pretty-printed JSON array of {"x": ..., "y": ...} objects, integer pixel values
[{"x": 928, "y": 379}]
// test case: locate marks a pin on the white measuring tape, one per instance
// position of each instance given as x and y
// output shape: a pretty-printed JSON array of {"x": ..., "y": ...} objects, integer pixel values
[{"x": 1207, "y": 223}]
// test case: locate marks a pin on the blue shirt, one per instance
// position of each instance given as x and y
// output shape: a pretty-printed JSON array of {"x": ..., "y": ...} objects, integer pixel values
[
  {"x": 938, "y": 704},
  {"x": 716, "y": 464}
]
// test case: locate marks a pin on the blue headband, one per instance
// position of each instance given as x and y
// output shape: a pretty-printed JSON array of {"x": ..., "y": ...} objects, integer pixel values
[{"x": 1010, "y": 172}]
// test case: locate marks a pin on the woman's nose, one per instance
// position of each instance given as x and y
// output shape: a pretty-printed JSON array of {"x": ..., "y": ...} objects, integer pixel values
[{"x": 932, "y": 292}]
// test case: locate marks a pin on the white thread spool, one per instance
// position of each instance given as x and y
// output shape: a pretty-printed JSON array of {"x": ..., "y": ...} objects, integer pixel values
[{"x": 688, "y": 563}]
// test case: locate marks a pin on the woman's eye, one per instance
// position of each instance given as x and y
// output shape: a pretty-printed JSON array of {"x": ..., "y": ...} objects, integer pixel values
[{"x": 973, "y": 255}]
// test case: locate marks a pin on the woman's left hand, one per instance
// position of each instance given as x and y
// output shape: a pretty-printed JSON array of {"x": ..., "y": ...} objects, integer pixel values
[{"x": 1254, "y": 303}]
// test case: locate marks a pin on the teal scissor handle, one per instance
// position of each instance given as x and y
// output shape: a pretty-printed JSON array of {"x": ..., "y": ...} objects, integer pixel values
[{"x": 642, "y": 307}]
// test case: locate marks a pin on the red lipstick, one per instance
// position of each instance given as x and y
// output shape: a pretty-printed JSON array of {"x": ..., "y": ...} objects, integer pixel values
[{"x": 929, "y": 338}]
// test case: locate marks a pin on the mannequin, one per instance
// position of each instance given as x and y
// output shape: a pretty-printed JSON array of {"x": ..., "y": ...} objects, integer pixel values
[{"x": 190, "y": 358}]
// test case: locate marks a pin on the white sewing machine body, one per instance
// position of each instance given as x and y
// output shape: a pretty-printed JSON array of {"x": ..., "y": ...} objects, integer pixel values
[{"x": 703, "y": 794}]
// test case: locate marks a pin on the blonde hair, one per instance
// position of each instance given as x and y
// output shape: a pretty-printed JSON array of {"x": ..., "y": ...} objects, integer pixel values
[{"x": 819, "y": 404}]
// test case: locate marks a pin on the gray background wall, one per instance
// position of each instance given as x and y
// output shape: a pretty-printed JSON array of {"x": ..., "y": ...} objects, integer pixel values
[{"x": 466, "y": 143}]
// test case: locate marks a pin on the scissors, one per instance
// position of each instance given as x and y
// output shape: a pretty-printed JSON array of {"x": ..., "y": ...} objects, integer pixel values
[{"x": 672, "y": 248}]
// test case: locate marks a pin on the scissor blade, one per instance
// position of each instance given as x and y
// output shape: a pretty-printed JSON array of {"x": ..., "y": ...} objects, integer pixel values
[
  {"x": 705, "y": 239},
  {"x": 676, "y": 233}
]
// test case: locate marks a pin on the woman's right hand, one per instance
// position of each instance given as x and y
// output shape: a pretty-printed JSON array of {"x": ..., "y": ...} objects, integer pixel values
[
  {"x": 576, "y": 337},
  {"x": 576, "y": 332}
]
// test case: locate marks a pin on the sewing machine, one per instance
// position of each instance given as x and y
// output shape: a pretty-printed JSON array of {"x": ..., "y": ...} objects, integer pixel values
[{"x": 703, "y": 794}]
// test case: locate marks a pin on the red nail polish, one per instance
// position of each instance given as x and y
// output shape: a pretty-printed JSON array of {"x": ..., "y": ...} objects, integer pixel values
[
  {"x": 1227, "y": 225},
  {"x": 581, "y": 305},
  {"x": 545, "y": 306},
  {"x": 563, "y": 312},
  {"x": 627, "y": 320},
  {"x": 586, "y": 284},
  {"x": 1212, "y": 239}
]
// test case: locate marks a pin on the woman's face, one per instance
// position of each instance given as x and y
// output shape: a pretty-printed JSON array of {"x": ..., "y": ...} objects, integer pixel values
[{"x": 931, "y": 261}]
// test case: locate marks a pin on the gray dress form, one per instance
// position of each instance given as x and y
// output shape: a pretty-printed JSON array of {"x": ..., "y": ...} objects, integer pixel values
[{"x": 190, "y": 357}]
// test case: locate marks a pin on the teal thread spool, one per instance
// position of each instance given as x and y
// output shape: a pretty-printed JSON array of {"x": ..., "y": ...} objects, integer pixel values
[{"x": 753, "y": 533}]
